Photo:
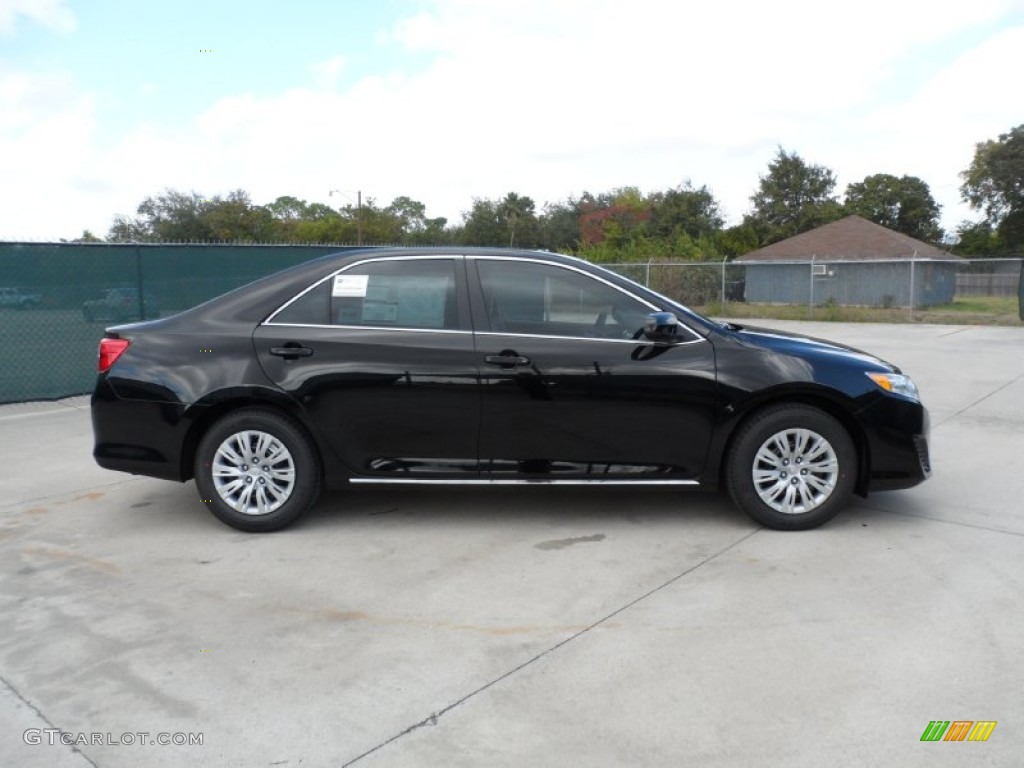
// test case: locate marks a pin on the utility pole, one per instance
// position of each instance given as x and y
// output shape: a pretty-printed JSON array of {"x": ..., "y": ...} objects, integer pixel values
[{"x": 359, "y": 211}]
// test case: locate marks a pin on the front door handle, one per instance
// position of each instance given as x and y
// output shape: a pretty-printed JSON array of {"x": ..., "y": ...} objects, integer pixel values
[
  {"x": 506, "y": 360},
  {"x": 291, "y": 352}
]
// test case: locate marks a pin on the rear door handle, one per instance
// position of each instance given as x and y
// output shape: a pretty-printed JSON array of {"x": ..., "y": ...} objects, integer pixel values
[
  {"x": 507, "y": 361},
  {"x": 291, "y": 352}
]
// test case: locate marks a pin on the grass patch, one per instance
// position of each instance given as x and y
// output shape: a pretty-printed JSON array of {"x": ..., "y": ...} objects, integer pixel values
[{"x": 997, "y": 305}]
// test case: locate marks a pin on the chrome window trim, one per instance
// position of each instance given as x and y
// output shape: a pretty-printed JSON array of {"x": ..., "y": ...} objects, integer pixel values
[
  {"x": 411, "y": 257},
  {"x": 634, "y": 342},
  {"x": 369, "y": 328},
  {"x": 585, "y": 273},
  {"x": 453, "y": 257}
]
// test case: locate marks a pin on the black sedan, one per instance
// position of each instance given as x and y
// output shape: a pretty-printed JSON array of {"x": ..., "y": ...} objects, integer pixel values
[{"x": 493, "y": 367}]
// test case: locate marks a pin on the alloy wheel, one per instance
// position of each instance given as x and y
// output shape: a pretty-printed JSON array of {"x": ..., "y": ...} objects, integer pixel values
[
  {"x": 795, "y": 471},
  {"x": 253, "y": 472}
]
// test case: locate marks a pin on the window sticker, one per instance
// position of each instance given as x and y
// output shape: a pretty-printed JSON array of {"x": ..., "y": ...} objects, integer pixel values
[{"x": 350, "y": 286}]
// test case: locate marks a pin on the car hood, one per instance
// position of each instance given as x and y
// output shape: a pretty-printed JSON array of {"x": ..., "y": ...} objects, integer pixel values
[{"x": 806, "y": 346}]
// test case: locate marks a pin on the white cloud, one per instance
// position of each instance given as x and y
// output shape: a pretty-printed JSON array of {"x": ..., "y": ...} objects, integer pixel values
[
  {"x": 328, "y": 72},
  {"x": 53, "y": 14},
  {"x": 47, "y": 149},
  {"x": 932, "y": 134},
  {"x": 550, "y": 99}
]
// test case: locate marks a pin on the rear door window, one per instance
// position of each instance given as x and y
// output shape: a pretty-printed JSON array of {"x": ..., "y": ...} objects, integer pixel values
[{"x": 397, "y": 293}]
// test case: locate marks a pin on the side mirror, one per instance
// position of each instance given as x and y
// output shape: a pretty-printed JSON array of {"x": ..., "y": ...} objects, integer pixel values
[{"x": 662, "y": 327}]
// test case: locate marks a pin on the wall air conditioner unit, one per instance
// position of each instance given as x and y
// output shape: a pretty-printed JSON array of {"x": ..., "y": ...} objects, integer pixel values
[{"x": 819, "y": 270}]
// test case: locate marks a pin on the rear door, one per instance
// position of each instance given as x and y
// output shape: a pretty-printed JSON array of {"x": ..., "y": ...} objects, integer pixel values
[{"x": 381, "y": 357}]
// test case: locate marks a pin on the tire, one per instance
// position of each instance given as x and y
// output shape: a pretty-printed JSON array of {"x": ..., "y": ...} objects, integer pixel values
[
  {"x": 274, "y": 494},
  {"x": 776, "y": 444}
]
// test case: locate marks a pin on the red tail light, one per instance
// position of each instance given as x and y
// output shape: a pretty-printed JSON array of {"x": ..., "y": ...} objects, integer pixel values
[{"x": 110, "y": 350}]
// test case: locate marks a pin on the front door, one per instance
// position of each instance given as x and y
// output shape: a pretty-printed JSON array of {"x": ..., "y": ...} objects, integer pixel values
[{"x": 568, "y": 388}]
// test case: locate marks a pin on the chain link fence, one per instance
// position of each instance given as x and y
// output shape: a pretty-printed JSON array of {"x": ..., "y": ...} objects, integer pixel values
[
  {"x": 988, "y": 291},
  {"x": 56, "y": 299}
]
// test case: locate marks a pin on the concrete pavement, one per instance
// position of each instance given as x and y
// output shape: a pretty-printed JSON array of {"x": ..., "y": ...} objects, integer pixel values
[{"x": 540, "y": 626}]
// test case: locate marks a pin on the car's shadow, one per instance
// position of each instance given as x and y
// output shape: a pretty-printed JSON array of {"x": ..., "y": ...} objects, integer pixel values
[
  {"x": 161, "y": 505},
  {"x": 522, "y": 504}
]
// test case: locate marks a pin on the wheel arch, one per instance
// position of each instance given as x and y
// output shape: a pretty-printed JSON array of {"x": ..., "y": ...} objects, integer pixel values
[
  {"x": 814, "y": 399},
  {"x": 209, "y": 413}
]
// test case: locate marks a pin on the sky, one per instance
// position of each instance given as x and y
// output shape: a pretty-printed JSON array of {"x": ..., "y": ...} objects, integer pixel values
[{"x": 106, "y": 102}]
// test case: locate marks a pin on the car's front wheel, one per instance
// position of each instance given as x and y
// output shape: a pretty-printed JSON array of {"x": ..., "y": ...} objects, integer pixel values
[
  {"x": 792, "y": 467},
  {"x": 257, "y": 470}
]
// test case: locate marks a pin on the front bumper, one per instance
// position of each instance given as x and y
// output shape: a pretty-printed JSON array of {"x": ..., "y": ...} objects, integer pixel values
[{"x": 898, "y": 432}]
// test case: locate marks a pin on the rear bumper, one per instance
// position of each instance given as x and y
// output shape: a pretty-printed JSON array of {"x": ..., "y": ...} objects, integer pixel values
[{"x": 137, "y": 436}]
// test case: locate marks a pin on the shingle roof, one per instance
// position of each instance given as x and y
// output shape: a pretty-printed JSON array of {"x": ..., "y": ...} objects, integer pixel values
[{"x": 850, "y": 239}]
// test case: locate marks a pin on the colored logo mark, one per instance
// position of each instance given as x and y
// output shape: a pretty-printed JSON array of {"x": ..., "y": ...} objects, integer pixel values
[{"x": 958, "y": 730}]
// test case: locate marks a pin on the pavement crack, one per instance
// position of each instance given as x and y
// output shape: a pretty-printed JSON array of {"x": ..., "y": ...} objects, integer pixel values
[
  {"x": 39, "y": 713},
  {"x": 433, "y": 718},
  {"x": 982, "y": 399},
  {"x": 940, "y": 520}
]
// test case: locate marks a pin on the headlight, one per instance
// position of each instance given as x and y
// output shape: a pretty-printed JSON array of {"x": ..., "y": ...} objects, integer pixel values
[{"x": 896, "y": 383}]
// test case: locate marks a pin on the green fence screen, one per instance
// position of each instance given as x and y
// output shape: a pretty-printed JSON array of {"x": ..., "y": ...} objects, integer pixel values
[{"x": 56, "y": 299}]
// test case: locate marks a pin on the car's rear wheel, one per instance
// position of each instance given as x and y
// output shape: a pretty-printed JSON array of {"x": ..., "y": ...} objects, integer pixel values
[
  {"x": 792, "y": 467},
  {"x": 257, "y": 470}
]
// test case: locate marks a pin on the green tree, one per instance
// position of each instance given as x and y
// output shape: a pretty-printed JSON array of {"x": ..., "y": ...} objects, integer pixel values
[
  {"x": 558, "y": 226},
  {"x": 994, "y": 184},
  {"x": 684, "y": 209},
  {"x": 500, "y": 222},
  {"x": 518, "y": 213},
  {"x": 288, "y": 208},
  {"x": 736, "y": 241},
  {"x": 614, "y": 219},
  {"x": 793, "y": 197},
  {"x": 191, "y": 217},
  {"x": 904, "y": 204},
  {"x": 316, "y": 211},
  {"x": 413, "y": 225},
  {"x": 235, "y": 218},
  {"x": 410, "y": 214},
  {"x": 482, "y": 224},
  {"x": 434, "y": 232},
  {"x": 176, "y": 216},
  {"x": 286, "y": 212},
  {"x": 978, "y": 239},
  {"x": 379, "y": 225},
  {"x": 330, "y": 228},
  {"x": 126, "y": 229}
]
